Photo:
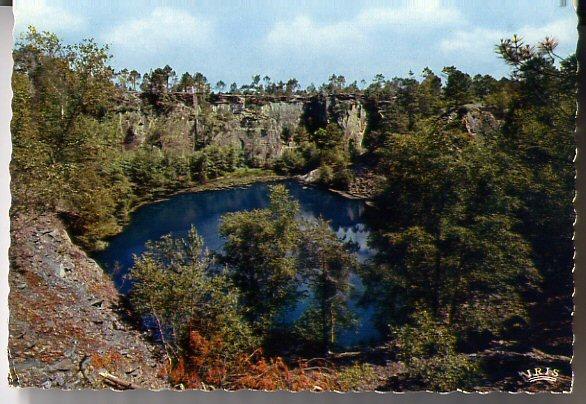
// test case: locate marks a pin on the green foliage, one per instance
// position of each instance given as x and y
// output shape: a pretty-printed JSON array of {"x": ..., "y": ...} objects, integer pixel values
[
  {"x": 353, "y": 377},
  {"x": 213, "y": 162},
  {"x": 61, "y": 128},
  {"x": 342, "y": 178},
  {"x": 338, "y": 177},
  {"x": 429, "y": 94},
  {"x": 270, "y": 253},
  {"x": 329, "y": 137},
  {"x": 291, "y": 162},
  {"x": 30, "y": 161},
  {"x": 472, "y": 229},
  {"x": 259, "y": 254},
  {"x": 428, "y": 349},
  {"x": 538, "y": 135},
  {"x": 325, "y": 264},
  {"x": 325, "y": 175},
  {"x": 458, "y": 90},
  {"x": 447, "y": 235},
  {"x": 287, "y": 135},
  {"x": 175, "y": 286},
  {"x": 324, "y": 150}
]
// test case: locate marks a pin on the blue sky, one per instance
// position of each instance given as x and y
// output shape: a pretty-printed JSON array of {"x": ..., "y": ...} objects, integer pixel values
[{"x": 234, "y": 39}]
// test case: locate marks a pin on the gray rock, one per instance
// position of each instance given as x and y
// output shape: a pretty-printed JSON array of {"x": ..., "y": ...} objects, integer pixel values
[{"x": 63, "y": 365}]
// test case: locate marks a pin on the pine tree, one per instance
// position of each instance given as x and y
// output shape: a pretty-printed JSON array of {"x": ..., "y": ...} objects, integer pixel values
[
  {"x": 260, "y": 254},
  {"x": 326, "y": 264}
]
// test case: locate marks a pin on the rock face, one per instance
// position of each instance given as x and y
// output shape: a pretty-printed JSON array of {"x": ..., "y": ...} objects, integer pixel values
[
  {"x": 347, "y": 111},
  {"x": 67, "y": 324},
  {"x": 474, "y": 119},
  {"x": 260, "y": 130},
  {"x": 262, "y": 126}
]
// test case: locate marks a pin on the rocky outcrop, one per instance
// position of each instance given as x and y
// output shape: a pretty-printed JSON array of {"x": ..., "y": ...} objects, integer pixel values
[
  {"x": 68, "y": 328},
  {"x": 261, "y": 125},
  {"x": 261, "y": 131},
  {"x": 347, "y": 111},
  {"x": 474, "y": 119}
]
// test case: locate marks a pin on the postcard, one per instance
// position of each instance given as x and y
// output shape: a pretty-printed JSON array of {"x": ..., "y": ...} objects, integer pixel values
[{"x": 301, "y": 196}]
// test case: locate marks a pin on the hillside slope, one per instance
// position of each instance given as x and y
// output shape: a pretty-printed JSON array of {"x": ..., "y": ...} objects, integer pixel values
[{"x": 67, "y": 324}]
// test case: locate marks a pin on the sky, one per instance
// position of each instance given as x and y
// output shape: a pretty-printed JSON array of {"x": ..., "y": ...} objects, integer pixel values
[{"x": 231, "y": 40}]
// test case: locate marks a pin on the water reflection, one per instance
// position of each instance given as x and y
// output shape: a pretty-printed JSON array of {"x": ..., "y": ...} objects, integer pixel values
[{"x": 204, "y": 209}]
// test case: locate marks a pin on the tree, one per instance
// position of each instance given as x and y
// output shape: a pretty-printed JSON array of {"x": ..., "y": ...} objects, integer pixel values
[
  {"x": 73, "y": 89},
  {"x": 458, "y": 90},
  {"x": 335, "y": 84},
  {"x": 259, "y": 254},
  {"x": 255, "y": 84},
  {"x": 169, "y": 75},
  {"x": 123, "y": 76},
  {"x": 378, "y": 82},
  {"x": 220, "y": 86},
  {"x": 174, "y": 284},
  {"x": 133, "y": 77},
  {"x": 292, "y": 86},
  {"x": 407, "y": 98},
  {"x": 329, "y": 137},
  {"x": 326, "y": 264},
  {"x": 201, "y": 83},
  {"x": 483, "y": 86},
  {"x": 186, "y": 82},
  {"x": 429, "y": 93},
  {"x": 267, "y": 84},
  {"x": 30, "y": 167},
  {"x": 428, "y": 349},
  {"x": 155, "y": 81},
  {"x": 447, "y": 241},
  {"x": 538, "y": 138}
]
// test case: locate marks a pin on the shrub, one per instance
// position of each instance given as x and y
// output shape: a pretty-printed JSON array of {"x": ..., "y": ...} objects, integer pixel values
[
  {"x": 291, "y": 162},
  {"x": 342, "y": 179},
  {"x": 144, "y": 169},
  {"x": 353, "y": 378},
  {"x": 325, "y": 175},
  {"x": 428, "y": 349},
  {"x": 176, "y": 287},
  {"x": 213, "y": 162},
  {"x": 248, "y": 371}
]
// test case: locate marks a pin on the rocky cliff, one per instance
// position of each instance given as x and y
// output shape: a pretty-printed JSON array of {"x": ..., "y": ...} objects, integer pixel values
[
  {"x": 262, "y": 126},
  {"x": 68, "y": 328}
]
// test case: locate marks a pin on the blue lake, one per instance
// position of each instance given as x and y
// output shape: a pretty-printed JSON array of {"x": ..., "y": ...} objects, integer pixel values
[{"x": 204, "y": 209}]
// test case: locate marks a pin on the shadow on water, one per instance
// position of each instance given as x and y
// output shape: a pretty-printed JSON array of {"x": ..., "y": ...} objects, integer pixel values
[{"x": 204, "y": 210}]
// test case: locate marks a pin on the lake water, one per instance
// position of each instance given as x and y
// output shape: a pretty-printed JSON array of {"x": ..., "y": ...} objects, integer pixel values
[{"x": 204, "y": 209}]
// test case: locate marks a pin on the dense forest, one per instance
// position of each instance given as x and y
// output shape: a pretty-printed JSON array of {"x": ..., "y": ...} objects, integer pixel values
[{"x": 473, "y": 229}]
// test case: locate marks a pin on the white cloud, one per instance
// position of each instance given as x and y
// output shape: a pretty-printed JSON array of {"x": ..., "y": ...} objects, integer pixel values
[
  {"x": 472, "y": 40},
  {"x": 164, "y": 27},
  {"x": 563, "y": 30},
  {"x": 304, "y": 34},
  {"x": 46, "y": 17},
  {"x": 477, "y": 40},
  {"x": 419, "y": 14}
]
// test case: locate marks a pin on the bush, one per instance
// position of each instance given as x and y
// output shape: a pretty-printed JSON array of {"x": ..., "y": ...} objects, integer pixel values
[
  {"x": 325, "y": 175},
  {"x": 329, "y": 137},
  {"x": 214, "y": 161},
  {"x": 428, "y": 349},
  {"x": 355, "y": 377},
  {"x": 342, "y": 179},
  {"x": 291, "y": 162},
  {"x": 176, "y": 287},
  {"x": 145, "y": 170}
]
